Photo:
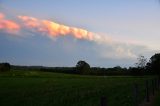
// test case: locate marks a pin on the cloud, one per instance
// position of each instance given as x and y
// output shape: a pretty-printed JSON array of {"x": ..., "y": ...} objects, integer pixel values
[
  {"x": 106, "y": 46},
  {"x": 53, "y": 29},
  {"x": 122, "y": 51},
  {"x": 1, "y": 16},
  {"x": 8, "y": 25}
]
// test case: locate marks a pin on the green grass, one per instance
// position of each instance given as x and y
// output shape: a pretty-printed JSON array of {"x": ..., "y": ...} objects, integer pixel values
[{"x": 33, "y": 88}]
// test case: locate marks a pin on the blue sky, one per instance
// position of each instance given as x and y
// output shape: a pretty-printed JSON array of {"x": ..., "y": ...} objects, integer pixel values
[{"x": 132, "y": 27}]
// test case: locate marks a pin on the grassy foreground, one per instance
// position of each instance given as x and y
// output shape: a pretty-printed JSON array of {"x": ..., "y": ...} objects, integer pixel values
[{"x": 33, "y": 88}]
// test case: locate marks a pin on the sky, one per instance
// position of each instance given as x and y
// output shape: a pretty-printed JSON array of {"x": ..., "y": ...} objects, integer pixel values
[{"x": 104, "y": 33}]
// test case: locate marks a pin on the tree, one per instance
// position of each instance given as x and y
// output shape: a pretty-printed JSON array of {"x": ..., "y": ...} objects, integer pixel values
[
  {"x": 142, "y": 61},
  {"x": 117, "y": 68},
  {"x": 154, "y": 64},
  {"x": 4, "y": 67},
  {"x": 83, "y": 67}
]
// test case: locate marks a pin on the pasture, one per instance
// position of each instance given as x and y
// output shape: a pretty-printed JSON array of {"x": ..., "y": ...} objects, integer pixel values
[{"x": 34, "y": 88}]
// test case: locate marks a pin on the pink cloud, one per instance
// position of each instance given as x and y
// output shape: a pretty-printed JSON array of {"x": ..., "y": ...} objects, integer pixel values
[{"x": 8, "y": 25}]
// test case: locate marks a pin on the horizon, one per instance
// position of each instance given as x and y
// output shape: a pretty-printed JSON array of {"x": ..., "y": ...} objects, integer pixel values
[{"x": 103, "y": 33}]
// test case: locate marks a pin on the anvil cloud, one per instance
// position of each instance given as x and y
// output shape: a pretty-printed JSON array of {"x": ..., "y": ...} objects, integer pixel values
[{"x": 52, "y": 29}]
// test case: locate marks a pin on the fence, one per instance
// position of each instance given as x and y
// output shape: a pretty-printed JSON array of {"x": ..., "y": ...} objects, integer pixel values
[{"x": 151, "y": 86}]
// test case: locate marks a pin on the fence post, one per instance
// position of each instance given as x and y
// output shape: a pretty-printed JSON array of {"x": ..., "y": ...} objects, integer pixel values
[
  {"x": 156, "y": 87},
  {"x": 153, "y": 87},
  {"x": 147, "y": 91},
  {"x": 158, "y": 82},
  {"x": 103, "y": 101},
  {"x": 135, "y": 94}
]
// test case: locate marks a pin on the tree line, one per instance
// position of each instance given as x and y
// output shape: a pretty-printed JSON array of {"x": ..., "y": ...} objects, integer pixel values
[{"x": 142, "y": 67}]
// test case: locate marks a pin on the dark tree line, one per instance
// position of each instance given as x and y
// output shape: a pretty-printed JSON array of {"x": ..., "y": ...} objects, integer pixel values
[
  {"x": 142, "y": 67},
  {"x": 152, "y": 67}
]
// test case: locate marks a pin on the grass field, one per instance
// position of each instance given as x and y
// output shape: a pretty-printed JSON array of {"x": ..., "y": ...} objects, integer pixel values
[{"x": 33, "y": 88}]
